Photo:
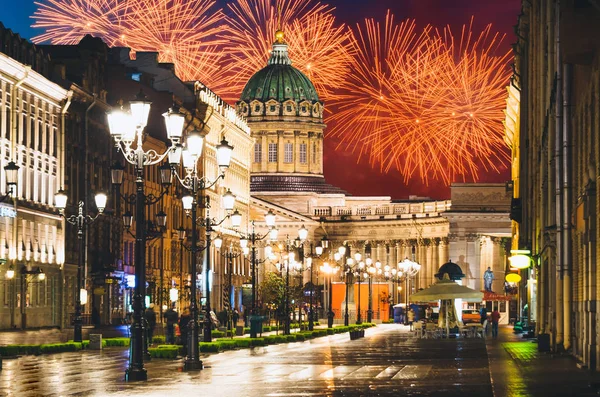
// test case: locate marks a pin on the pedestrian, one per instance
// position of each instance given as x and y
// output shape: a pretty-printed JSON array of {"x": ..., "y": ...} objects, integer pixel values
[
  {"x": 184, "y": 324},
  {"x": 411, "y": 316},
  {"x": 150, "y": 316},
  {"x": 495, "y": 320},
  {"x": 236, "y": 317},
  {"x": 171, "y": 317},
  {"x": 483, "y": 319}
]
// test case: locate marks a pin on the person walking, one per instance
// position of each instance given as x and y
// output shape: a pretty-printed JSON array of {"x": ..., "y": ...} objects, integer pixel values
[
  {"x": 483, "y": 319},
  {"x": 150, "y": 316},
  {"x": 184, "y": 324},
  {"x": 495, "y": 320},
  {"x": 171, "y": 317}
]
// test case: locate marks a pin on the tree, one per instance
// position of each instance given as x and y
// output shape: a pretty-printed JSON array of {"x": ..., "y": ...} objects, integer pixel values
[{"x": 272, "y": 291}]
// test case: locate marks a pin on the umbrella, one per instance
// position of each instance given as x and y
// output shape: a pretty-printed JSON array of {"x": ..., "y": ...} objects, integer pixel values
[{"x": 446, "y": 290}]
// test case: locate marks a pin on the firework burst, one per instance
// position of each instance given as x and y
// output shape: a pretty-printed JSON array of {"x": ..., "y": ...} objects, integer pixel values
[
  {"x": 183, "y": 32},
  {"x": 418, "y": 103},
  {"x": 317, "y": 46},
  {"x": 67, "y": 21}
]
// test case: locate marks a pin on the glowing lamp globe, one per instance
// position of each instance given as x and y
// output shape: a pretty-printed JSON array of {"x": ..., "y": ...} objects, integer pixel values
[
  {"x": 520, "y": 259},
  {"x": 513, "y": 278}
]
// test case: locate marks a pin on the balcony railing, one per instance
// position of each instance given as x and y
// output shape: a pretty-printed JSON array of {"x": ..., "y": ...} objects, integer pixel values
[{"x": 392, "y": 209}]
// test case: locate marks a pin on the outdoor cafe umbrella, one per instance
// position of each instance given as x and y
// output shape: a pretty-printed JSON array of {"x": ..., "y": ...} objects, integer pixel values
[{"x": 447, "y": 289}]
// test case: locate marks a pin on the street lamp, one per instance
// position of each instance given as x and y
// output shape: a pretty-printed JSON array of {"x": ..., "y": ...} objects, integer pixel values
[
  {"x": 252, "y": 238},
  {"x": 230, "y": 255},
  {"x": 329, "y": 271},
  {"x": 125, "y": 128},
  {"x": 196, "y": 185},
  {"x": 409, "y": 269},
  {"x": 11, "y": 170},
  {"x": 80, "y": 220},
  {"x": 323, "y": 244}
]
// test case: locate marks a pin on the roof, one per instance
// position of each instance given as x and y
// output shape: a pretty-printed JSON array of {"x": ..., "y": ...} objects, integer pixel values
[{"x": 279, "y": 80}]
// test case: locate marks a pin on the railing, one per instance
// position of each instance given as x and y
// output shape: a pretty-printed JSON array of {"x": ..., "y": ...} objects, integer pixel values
[{"x": 385, "y": 209}]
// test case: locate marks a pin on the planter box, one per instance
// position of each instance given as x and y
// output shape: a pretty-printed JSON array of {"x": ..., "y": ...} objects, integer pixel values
[{"x": 354, "y": 335}]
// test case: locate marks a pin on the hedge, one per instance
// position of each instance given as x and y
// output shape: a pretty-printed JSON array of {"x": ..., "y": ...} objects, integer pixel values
[
  {"x": 117, "y": 342},
  {"x": 217, "y": 334},
  {"x": 159, "y": 340},
  {"x": 164, "y": 351}
]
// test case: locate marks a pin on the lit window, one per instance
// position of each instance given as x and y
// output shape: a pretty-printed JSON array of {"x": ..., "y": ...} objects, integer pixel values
[
  {"x": 257, "y": 152},
  {"x": 136, "y": 76},
  {"x": 314, "y": 153},
  {"x": 288, "y": 153},
  {"x": 303, "y": 153},
  {"x": 272, "y": 152}
]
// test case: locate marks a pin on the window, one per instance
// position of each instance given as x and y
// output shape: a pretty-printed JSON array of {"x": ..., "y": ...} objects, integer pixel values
[
  {"x": 288, "y": 153},
  {"x": 288, "y": 108},
  {"x": 303, "y": 153},
  {"x": 272, "y": 152},
  {"x": 256, "y": 108},
  {"x": 314, "y": 153},
  {"x": 136, "y": 76},
  {"x": 257, "y": 152},
  {"x": 272, "y": 108},
  {"x": 304, "y": 110}
]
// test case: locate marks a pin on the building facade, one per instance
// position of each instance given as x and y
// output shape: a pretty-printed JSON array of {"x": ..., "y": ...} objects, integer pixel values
[
  {"x": 557, "y": 165},
  {"x": 31, "y": 231}
]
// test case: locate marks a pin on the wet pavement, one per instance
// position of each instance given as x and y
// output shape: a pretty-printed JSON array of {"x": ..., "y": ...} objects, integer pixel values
[{"x": 385, "y": 362}]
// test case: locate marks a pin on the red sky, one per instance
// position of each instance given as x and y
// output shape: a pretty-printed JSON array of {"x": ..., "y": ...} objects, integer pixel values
[{"x": 341, "y": 168}]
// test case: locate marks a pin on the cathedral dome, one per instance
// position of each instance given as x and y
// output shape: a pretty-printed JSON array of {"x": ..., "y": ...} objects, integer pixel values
[{"x": 279, "y": 88}]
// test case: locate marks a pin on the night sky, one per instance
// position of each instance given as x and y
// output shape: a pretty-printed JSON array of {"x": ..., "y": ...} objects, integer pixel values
[{"x": 341, "y": 169}]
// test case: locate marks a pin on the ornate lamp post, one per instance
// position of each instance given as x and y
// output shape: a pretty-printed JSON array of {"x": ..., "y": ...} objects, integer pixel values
[
  {"x": 323, "y": 244},
  {"x": 230, "y": 255},
  {"x": 81, "y": 221},
  {"x": 196, "y": 186},
  {"x": 329, "y": 271},
  {"x": 127, "y": 128},
  {"x": 371, "y": 271},
  {"x": 253, "y": 238},
  {"x": 410, "y": 270}
]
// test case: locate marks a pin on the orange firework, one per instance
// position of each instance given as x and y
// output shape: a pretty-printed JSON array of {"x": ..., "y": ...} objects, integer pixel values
[
  {"x": 318, "y": 47},
  {"x": 183, "y": 32},
  {"x": 67, "y": 21},
  {"x": 416, "y": 103}
]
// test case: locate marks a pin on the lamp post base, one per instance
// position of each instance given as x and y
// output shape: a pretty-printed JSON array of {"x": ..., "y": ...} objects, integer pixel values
[
  {"x": 135, "y": 374},
  {"x": 330, "y": 316},
  {"x": 370, "y": 316},
  {"x": 192, "y": 365},
  {"x": 255, "y": 325}
]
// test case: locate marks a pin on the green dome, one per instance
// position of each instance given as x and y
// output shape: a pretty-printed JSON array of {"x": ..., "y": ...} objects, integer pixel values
[{"x": 279, "y": 82}]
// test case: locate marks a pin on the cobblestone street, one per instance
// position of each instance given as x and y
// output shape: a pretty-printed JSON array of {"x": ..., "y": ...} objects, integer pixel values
[{"x": 386, "y": 362}]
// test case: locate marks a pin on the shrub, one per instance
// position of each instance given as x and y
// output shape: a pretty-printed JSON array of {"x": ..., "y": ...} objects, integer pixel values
[
  {"x": 266, "y": 328},
  {"x": 317, "y": 323},
  {"x": 330, "y": 331},
  {"x": 247, "y": 330},
  {"x": 300, "y": 337},
  {"x": 209, "y": 347},
  {"x": 257, "y": 342},
  {"x": 60, "y": 347},
  {"x": 227, "y": 344},
  {"x": 164, "y": 351},
  {"x": 243, "y": 342},
  {"x": 158, "y": 340},
  {"x": 291, "y": 338},
  {"x": 117, "y": 342},
  {"x": 217, "y": 334}
]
